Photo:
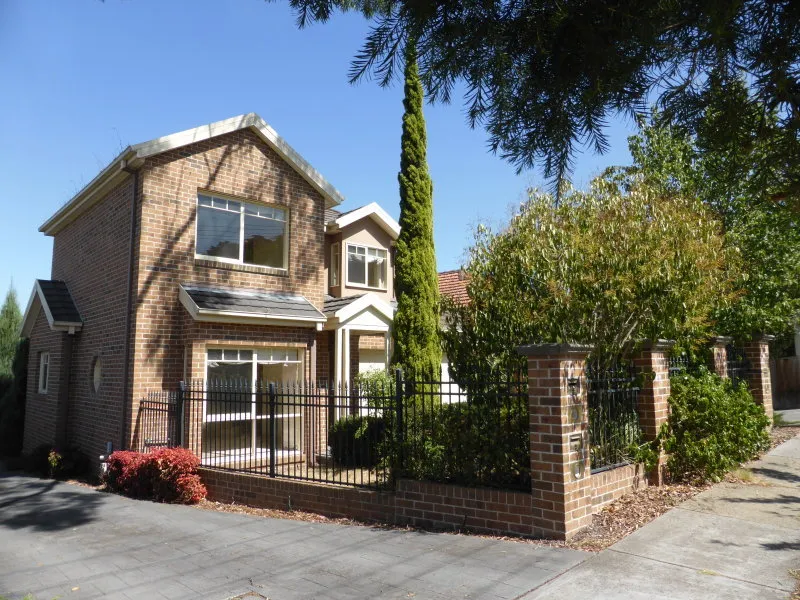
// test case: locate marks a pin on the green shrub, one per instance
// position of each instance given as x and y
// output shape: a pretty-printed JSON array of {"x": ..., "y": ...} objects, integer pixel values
[
  {"x": 355, "y": 441},
  {"x": 714, "y": 427}
]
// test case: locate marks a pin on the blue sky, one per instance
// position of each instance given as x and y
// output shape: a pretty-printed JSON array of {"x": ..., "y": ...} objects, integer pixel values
[{"x": 83, "y": 79}]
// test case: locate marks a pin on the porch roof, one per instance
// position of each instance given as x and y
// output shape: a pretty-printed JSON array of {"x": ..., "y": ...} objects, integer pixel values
[
  {"x": 54, "y": 298},
  {"x": 247, "y": 306}
]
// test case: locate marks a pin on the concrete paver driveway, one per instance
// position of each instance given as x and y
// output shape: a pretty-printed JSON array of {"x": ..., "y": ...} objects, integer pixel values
[{"x": 55, "y": 537}]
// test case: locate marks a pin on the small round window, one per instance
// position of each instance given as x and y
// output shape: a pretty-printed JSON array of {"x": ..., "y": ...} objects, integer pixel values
[{"x": 97, "y": 374}]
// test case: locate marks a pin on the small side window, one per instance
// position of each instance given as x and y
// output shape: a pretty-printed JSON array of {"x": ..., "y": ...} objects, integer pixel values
[
  {"x": 97, "y": 374},
  {"x": 44, "y": 371}
]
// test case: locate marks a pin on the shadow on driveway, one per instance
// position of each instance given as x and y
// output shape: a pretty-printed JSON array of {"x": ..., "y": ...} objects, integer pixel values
[{"x": 43, "y": 505}]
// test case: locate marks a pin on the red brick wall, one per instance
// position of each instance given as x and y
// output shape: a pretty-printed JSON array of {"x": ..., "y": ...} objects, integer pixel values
[
  {"x": 40, "y": 409},
  {"x": 91, "y": 255},
  {"x": 609, "y": 485},
  {"x": 239, "y": 165}
]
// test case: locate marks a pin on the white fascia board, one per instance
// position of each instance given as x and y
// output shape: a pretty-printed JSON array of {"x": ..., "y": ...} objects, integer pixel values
[
  {"x": 366, "y": 301},
  {"x": 372, "y": 210},
  {"x": 133, "y": 157},
  {"x": 229, "y": 316}
]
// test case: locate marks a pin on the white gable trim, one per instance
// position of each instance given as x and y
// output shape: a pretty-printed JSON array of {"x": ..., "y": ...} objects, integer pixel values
[
  {"x": 37, "y": 303},
  {"x": 366, "y": 302},
  {"x": 133, "y": 156},
  {"x": 372, "y": 210}
]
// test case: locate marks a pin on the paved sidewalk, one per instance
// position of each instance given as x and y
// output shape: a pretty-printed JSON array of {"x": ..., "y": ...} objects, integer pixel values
[
  {"x": 731, "y": 542},
  {"x": 55, "y": 537}
]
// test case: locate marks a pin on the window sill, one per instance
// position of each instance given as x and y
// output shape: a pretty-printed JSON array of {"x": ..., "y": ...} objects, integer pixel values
[
  {"x": 359, "y": 286},
  {"x": 218, "y": 264}
]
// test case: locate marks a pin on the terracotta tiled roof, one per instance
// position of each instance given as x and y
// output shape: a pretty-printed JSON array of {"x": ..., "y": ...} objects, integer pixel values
[{"x": 454, "y": 285}]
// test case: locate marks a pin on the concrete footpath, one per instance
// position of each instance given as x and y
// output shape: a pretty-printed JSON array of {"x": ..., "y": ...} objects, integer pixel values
[{"x": 733, "y": 541}]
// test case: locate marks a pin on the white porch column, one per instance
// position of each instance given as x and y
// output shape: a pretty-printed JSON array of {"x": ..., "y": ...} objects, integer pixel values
[
  {"x": 387, "y": 342},
  {"x": 346, "y": 358},
  {"x": 337, "y": 351}
]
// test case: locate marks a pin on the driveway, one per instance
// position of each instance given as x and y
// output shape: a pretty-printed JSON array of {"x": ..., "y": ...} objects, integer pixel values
[{"x": 56, "y": 537}]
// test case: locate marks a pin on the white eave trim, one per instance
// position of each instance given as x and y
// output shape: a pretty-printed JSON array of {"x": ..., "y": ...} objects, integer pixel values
[
  {"x": 37, "y": 303},
  {"x": 372, "y": 210},
  {"x": 246, "y": 318},
  {"x": 356, "y": 307},
  {"x": 133, "y": 156}
]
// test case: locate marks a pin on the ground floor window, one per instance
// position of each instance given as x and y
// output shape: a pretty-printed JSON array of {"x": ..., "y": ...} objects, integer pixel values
[
  {"x": 44, "y": 371},
  {"x": 236, "y": 413}
]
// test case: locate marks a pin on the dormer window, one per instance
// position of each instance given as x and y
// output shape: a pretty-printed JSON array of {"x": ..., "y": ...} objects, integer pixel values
[
  {"x": 366, "y": 267},
  {"x": 241, "y": 232}
]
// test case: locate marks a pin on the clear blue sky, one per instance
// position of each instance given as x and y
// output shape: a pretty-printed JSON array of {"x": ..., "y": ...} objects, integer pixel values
[{"x": 82, "y": 79}]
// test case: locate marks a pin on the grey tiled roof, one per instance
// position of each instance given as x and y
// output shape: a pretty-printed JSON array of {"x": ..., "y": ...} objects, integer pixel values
[
  {"x": 59, "y": 301},
  {"x": 333, "y": 304},
  {"x": 272, "y": 304},
  {"x": 331, "y": 214}
]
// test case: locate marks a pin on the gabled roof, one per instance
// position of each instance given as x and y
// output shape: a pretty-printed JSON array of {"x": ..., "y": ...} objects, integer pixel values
[
  {"x": 342, "y": 309},
  {"x": 240, "y": 305},
  {"x": 133, "y": 156},
  {"x": 371, "y": 210},
  {"x": 54, "y": 298},
  {"x": 453, "y": 284}
]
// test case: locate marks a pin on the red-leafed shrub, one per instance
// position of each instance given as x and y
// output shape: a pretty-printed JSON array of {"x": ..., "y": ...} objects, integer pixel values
[{"x": 165, "y": 475}]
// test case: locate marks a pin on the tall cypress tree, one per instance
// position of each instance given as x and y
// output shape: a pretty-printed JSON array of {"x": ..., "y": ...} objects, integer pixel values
[
  {"x": 10, "y": 321},
  {"x": 416, "y": 322}
]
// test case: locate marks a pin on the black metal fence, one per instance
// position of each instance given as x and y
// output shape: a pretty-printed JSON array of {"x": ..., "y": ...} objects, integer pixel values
[
  {"x": 738, "y": 366},
  {"x": 679, "y": 365},
  {"x": 613, "y": 392},
  {"x": 360, "y": 436}
]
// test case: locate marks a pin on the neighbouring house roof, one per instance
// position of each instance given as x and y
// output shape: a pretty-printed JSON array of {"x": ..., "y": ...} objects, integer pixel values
[
  {"x": 133, "y": 157},
  {"x": 372, "y": 211},
  {"x": 54, "y": 298},
  {"x": 238, "y": 305},
  {"x": 453, "y": 284}
]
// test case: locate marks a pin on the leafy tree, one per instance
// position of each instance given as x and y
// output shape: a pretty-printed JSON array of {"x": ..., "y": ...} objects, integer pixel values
[
  {"x": 606, "y": 267},
  {"x": 732, "y": 179},
  {"x": 416, "y": 322},
  {"x": 545, "y": 76},
  {"x": 10, "y": 321}
]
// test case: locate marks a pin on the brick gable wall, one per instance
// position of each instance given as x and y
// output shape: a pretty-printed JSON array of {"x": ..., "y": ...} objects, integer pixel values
[{"x": 239, "y": 165}]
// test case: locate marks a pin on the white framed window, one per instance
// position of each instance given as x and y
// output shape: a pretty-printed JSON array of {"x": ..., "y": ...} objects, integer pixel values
[
  {"x": 236, "y": 416},
  {"x": 44, "y": 371},
  {"x": 336, "y": 263},
  {"x": 242, "y": 232},
  {"x": 366, "y": 266}
]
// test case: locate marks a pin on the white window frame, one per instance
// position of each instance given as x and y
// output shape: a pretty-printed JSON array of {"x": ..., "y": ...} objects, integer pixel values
[
  {"x": 335, "y": 278},
  {"x": 269, "y": 357},
  {"x": 366, "y": 267},
  {"x": 242, "y": 213},
  {"x": 44, "y": 371}
]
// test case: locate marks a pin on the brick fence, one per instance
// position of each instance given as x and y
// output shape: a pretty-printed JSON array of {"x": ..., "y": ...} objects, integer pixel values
[{"x": 564, "y": 492}]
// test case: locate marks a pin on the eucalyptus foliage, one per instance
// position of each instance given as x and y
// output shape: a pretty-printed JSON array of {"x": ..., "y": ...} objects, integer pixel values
[
  {"x": 544, "y": 77},
  {"x": 731, "y": 178},
  {"x": 606, "y": 267}
]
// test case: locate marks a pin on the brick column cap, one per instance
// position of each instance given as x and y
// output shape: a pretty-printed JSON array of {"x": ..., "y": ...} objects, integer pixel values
[
  {"x": 722, "y": 340},
  {"x": 763, "y": 337},
  {"x": 571, "y": 350},
  {"x": 656, "y": 345}
]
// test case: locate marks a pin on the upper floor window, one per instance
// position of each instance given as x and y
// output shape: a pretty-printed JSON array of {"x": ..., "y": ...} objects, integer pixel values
[
  {"x": 336, "y": 262},
  {"x": 366, "y": 266},
  {"x": 44, "y": 371},
  {"x": 241, "y": 232}
]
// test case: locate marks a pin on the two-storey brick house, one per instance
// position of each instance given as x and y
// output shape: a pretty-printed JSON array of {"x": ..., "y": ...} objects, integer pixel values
[{"x": 214, "y": 253}]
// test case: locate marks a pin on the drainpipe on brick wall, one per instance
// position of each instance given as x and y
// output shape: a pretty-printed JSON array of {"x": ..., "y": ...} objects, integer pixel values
[{"x": 126, "y": 369}]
